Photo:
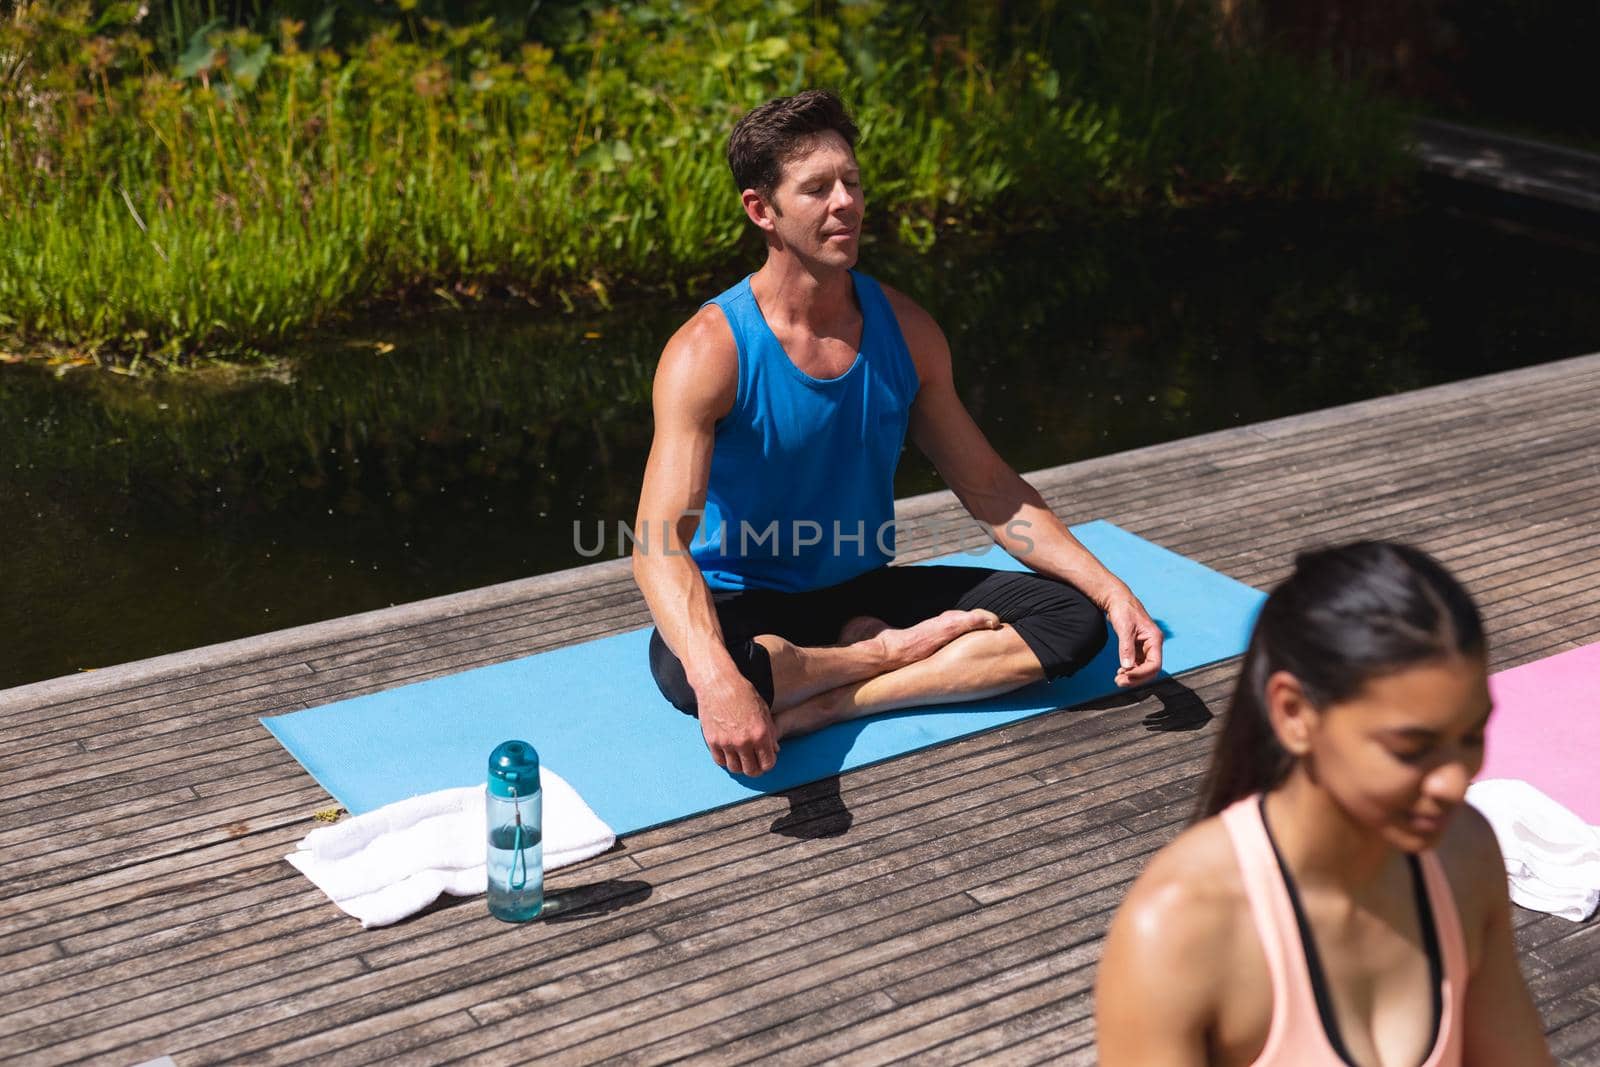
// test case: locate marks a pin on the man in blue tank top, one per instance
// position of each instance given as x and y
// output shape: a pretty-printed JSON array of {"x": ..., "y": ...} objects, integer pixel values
[{"x": 780, "y": 412}]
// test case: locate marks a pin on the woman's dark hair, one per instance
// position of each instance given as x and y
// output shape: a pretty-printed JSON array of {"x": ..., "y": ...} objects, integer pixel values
[
  {"x": 1346, "y": 616},
  {"x": 770, "y": 135}
]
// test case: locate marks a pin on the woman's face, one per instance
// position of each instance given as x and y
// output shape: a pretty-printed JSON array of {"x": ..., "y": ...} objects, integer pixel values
[{"x": 1399, "y": 755}]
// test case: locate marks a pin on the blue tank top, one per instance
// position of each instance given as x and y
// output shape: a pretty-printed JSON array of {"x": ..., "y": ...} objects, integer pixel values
[{"x": 801, "y": 493}]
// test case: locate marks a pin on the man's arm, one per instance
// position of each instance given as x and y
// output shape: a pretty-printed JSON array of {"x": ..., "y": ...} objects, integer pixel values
[
  {"x": 695, "y": 385},
  {"x": 1016, "y": 516}
]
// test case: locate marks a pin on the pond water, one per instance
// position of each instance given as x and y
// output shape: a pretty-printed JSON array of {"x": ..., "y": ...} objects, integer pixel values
[{"x": 452, "y": 450}]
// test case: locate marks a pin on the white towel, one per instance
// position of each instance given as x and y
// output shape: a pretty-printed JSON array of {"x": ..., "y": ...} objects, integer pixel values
[
  {"x": 1552, "y": 855},
  {"x": 387, "y": 864}
]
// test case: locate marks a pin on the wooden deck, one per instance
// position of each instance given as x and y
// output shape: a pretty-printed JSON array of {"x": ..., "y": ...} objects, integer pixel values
[
  {"x": 1527, "y": 168},
  {"x": 945, "y": 906}
]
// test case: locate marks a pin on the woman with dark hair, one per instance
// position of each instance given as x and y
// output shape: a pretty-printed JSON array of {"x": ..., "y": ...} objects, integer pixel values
[{"x": 1336, "y": 904}]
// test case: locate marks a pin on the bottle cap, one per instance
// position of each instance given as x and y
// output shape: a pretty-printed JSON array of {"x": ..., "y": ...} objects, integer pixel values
[{"x": 513, "y": 770}]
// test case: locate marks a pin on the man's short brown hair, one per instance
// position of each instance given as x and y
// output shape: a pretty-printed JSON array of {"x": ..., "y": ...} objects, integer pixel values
[{"x": 774, "y": 133}]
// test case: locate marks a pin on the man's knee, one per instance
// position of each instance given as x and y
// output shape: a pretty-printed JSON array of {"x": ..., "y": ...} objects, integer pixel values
[
  {"x": 749, "y": 658},
  {"x": 671, "y": 679},
  {"x": 1066, "y": 633},
  {"x": 1089, "y": 644}
]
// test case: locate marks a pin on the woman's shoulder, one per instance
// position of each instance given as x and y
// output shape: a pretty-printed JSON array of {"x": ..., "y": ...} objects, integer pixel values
[
  {"x": 1187, "y": 914},
  {"x": 1188, "y": 902},
  {"x": 1197, "y": 869},
  {"x": 1468, "y": 840},
  {"x": 1475, "y": 870}
]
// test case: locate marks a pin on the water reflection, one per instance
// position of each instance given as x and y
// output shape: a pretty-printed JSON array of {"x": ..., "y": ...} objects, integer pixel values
[{"x": 448, "y": 451}]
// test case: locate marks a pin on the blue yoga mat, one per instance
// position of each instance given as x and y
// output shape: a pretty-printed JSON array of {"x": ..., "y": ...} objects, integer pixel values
[{"x": 593, "y": 711}]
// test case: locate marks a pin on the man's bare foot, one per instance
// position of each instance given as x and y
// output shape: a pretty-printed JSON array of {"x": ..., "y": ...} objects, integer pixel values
[
  {"x": 916, "y": 643},
  {"x": 809, "y": 716}
]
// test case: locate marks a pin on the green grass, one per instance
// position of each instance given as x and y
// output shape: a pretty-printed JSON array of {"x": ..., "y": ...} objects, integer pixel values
[{"x": 225, "y": 201}]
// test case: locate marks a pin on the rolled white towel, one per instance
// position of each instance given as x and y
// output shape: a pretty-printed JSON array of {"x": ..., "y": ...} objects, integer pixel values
[
  {"x": 1552, "y": 855},
  {"x": 395, "y": 861}
]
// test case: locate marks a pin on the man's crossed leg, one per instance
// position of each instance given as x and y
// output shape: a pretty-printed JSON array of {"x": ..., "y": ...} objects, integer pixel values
[{"x": 895, "y": 637}]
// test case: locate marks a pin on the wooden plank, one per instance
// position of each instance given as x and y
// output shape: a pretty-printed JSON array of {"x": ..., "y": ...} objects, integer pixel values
[
  {"x": 1532, "y": 169},
  {"x": 776, "y": 933},
  {"x": 187, "y": 875},
  {"x": 164, "y": 669},
  {"x": 728, "y": 939},
  {"x": 304, "y": 1024},
  {"x": 1575, "y": 1041},
  {"x": 160, "y": 718},
  {"x": 1068, "y": 1045}
]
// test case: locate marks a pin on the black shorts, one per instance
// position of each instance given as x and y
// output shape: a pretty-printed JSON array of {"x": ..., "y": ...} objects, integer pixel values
[{"x": 1060, "y": 625}]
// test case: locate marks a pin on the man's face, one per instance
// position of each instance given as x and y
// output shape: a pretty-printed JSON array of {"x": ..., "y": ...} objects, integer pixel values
[{"x": 818, "y": 203}]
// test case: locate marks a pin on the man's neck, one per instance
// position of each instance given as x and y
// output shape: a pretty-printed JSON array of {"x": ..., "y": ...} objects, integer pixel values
[{"x": 792, "y": 294}]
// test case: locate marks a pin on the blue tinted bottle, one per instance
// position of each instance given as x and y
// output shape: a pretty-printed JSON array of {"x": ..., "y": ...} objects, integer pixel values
[{"x": 516, "y": 852}]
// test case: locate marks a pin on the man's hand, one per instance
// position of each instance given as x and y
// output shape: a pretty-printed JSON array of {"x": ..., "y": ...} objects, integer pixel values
[
  {"x": 738, "y": 729},
  {"x": 1138, "y": 641}
]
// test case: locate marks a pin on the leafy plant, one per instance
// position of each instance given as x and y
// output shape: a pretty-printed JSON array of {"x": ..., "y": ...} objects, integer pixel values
[{"x": 215, "y": 179}]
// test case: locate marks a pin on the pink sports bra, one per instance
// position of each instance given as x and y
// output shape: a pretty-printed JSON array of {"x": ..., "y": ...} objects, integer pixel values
[{"x": 1304, "y": 1030}]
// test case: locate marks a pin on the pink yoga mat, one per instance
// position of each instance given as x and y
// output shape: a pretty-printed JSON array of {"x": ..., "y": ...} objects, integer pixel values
[{"x": 1546, "y": 728}]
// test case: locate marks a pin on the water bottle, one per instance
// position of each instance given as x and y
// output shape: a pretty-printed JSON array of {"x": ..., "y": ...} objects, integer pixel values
[{"x": 516, "y": 853}]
